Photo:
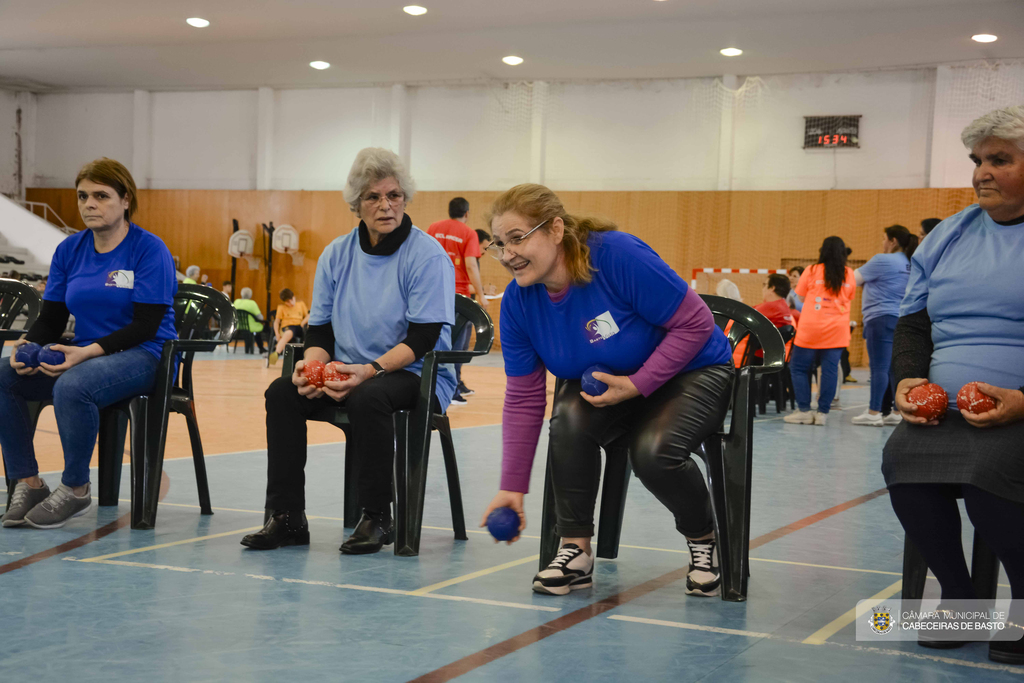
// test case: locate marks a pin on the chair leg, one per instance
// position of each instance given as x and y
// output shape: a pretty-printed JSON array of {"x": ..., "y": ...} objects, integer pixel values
[
  {"x": 142, "y": 460},
  {"x": 915, "y": 571},
  {"x": 198, "y": 461},
  {"x": 984, "y": 570},
  {"x": 548, "y": 538},
  {"x": 351, "y": 502},
  {"x": 451, "y": 469},
  {"x": 113, "y": 429},
  {"x": 613, "y": 501},
  {"x": 412, "y": 436}
]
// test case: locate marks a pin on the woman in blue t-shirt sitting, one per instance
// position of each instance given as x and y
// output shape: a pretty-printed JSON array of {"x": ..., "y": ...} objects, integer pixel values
[
  {"x": 884, "y": 279},
  {"x": 118, "y": 281},
  {"x": 585, "y": 294},
  {"x": 961, "y": 321}
]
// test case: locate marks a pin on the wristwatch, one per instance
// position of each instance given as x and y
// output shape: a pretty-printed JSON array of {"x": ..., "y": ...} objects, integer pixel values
[{"x": 378, "y": 371}]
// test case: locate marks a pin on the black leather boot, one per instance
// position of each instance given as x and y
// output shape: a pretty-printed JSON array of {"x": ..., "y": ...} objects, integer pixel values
[
  {"x": 374, "y": 531},
  {"x": 286, "y": 527}
]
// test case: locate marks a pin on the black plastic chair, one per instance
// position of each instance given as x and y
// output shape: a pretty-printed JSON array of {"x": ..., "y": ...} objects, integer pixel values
[
  {"x": 984, "y": 570},
  {"x": 245, "y": 321},
  {"x": 16, "y": 299},
  {"x": 728, "y": 456},
  {"x": 147, "y": 415},
  {"x": 776, "y": 386},
  {"x": 412, "y": 437}
]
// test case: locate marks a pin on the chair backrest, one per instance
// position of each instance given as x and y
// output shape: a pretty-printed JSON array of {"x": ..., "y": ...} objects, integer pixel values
[
  {"x": 17, "y": 298},
  {"x": 745, "y": 320},
  {"x": 195, "y": 306},
  {"x": 787, "y": 332},
  {"x": 469, "y": 312},
  {"x": 244, "y": 320}
]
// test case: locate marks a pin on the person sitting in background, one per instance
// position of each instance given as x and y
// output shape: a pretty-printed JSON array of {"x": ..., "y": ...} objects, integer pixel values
[
  {"x": 927, "y": 225},
  {"x": 41, "y": 285},
  {"x": 728, "y": 289},
  {"x": 794, "y": 302},
  {"x": 485, "y": 241},
  {"x": 245, "y": 303},
  {"x": 191, "y": 276},
  {"x": 484, "y": 238},
  {"x": 961, "y": 321},
  {"x": 118, "y": 280},
  {"x": 773, "y": 306},
  {"x": 824, "y": 330},
  {"x": 884, "y": 279},
  {"x": 289, "y": 323}
]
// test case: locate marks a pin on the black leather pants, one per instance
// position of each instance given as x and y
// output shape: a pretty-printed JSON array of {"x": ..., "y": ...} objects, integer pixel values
[{"x": 662, "y": 430}]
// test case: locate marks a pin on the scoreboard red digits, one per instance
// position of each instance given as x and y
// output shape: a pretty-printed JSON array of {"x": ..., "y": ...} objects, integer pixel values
[{"x": 831, "y": 131}]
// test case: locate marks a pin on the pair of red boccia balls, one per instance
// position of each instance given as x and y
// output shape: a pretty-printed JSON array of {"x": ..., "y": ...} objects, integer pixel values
[
  {"x": 932, "y": 401},
  {"x": 317, "y": 372},
  {"x": 32, "y": 354}
]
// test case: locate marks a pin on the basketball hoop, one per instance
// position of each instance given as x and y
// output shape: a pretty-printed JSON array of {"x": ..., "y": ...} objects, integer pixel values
[{"x": 286, "y": 241}]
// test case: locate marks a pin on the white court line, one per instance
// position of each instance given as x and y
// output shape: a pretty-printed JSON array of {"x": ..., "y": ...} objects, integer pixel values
[
  {"x": 861, "y": 648},
  {"x": 328, "y": 584}
]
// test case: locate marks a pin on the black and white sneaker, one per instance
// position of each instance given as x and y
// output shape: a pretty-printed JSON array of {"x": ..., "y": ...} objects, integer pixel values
[
  {"x": 464, "y": 390},
  {"x": 704, "y": 577},
  {"x": 571, "y": 570}
]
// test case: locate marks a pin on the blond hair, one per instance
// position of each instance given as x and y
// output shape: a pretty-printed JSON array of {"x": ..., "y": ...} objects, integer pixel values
[
  {"x": 104, "y": 171},
  {"x": 537, "y": 204}
]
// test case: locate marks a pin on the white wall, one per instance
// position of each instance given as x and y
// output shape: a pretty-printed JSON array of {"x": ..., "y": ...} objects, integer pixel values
[
  {"x": 683, "y": 134},
  {"x": 8, "y": 144}
]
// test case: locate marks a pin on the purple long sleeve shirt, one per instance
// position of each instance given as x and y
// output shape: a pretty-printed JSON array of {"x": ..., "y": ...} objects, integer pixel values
[{"x": 687, "y": 331}]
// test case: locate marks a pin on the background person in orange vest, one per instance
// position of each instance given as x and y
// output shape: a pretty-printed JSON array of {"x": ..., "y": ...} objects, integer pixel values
[{"x": 463, "y": 247}]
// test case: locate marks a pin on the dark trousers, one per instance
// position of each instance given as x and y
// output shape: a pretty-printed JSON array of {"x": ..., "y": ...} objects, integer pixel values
[
  {"x": 931, "y": 518},
  {"x": 461, "y": 344},
  {"x": 878, "y": 335},
  {"x": 371, "y": 407},
  {"x": 662, "y": 429}
]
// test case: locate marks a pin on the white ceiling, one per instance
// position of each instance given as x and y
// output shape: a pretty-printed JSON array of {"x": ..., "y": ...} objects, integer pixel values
[{"x": 145, "y": 44}]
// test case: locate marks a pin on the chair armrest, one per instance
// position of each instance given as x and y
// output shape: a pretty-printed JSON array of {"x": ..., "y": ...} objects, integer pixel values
[
  {"x": 195, "y": 345},
  {"x": 455, "y": 356},
  {"x": 12, "y": 335},
  {"x": 289, "y": 360}
]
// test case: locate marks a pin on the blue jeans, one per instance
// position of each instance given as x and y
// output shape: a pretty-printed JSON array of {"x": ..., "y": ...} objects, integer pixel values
[
  {"x": 800, "y": 362},
  {"x": 78, "y": 395},
  {"x": 878, "y": 334}
]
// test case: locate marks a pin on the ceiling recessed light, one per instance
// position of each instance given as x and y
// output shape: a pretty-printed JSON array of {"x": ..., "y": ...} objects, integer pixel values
[
  {"x": 512, "y": 60},
  {"x": 320, "y": 65},
  {"x": 414, "y": 10},
  {"x": 731, "y": 52},
  {"x": 984, "y": 38},
  {"x": 197, "y": 22}
]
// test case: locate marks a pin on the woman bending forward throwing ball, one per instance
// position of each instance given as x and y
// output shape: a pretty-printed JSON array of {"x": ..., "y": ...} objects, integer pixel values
[{"x": 585, "y": 294}]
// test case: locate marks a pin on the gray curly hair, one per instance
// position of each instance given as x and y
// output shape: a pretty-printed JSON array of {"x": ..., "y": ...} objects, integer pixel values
[
  {"x": 373, "y": 165},
  {"x": 246, "y": 293},
  {"x": 1006, "y": 123}
]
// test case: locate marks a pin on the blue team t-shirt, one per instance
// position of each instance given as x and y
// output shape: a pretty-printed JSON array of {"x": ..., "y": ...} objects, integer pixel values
[
  {"x": 615, "y": 319},
  {"x": 968, "y": 275},
  {"x": 100, "y": 290},
  {"x": 371, "y": 299},
  {"x": 885, "y": 283}
]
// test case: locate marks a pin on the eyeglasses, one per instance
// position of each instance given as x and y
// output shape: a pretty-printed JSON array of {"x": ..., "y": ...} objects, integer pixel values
[
  {"x": 499, "y": 249},
  {"x": 392, "y": 198}
]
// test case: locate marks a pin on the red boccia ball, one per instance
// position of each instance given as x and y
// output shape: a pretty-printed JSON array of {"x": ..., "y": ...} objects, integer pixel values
[
  {"x": 313, "y": 371},
  {"x": 333, "y": 373},
  {"x": 931, "y": 401},
  {"x": 971, "y": 399}
]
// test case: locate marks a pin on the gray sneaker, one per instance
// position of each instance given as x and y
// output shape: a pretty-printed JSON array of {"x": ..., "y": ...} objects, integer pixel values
[
  {"x": 58, "y": 508},
  {"x": 24, "y": 499}
]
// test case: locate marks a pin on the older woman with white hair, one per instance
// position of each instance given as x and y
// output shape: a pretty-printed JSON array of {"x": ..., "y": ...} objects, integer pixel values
[
  {"x": 383, "y": 296},
  {"x": 245, "y": 303},
  {"x": 961, "y": 321},
  {"x": 191, "y": 276}
]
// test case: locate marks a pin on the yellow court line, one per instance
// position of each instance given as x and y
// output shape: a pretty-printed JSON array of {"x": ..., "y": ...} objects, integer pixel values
[
  {"x": 467, "y": 577},
  {"x": 168, "y": 545},
  {"x": 692, "y": 627},
  {"x": 837, "y": 625}
]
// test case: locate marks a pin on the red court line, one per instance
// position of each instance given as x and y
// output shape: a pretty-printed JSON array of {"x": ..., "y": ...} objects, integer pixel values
[
  {"x": 507, "y": 647},
  {"x": 95, "y": 535}
]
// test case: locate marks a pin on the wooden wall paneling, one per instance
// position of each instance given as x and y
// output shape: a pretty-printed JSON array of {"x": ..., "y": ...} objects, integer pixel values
[
  {"x": 165, "y": 213},
  {"x": 209, "y": 229},
  {"x": 655, "y": 217},
  {"x": 63, "y": 201}
]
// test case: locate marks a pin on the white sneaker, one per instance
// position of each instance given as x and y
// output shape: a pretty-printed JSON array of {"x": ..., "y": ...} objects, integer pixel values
[
  {"x": 571, "y": 570},
  {"x": 704, "y": 577},
  {"x": 835, "y": 401},
  {"x": 869, "y": 420},
  {"x": 820, "y": 419},
  {"x": 800, "y": 417},
  {"x": 892, "y": 419}
]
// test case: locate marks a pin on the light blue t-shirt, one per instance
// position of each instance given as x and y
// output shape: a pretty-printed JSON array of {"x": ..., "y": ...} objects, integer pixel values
[
  {"x": 885, "y": 282},
  {"x": 370, "y": 300},
  {"x": 968, "y": 275}
]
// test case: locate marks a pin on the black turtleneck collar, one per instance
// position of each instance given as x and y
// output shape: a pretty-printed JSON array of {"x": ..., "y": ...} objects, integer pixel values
[
  {"x": 389, "y": 243},
  {"x": 1016, "y": 221}
]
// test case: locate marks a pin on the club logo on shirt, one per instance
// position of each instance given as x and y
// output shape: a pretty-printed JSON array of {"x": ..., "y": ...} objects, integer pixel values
[
  {"x": 602, "y": 327},
  {"x": 122, "y": 279}
]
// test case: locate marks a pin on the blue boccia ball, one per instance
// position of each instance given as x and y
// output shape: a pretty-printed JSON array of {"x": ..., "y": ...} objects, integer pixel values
[
  {"x": 503, "y": 523},
  {"x": 28, "y": 354},
  {"x": 49, "y": 356},
  {"x": 593, "y": 386}
]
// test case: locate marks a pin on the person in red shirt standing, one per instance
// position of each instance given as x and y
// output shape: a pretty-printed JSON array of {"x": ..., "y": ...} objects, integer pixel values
[{"x": 463, "y": 247}]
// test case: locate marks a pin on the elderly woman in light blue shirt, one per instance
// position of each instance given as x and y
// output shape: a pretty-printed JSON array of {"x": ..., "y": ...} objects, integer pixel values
[{"x": 962, "y": 320}]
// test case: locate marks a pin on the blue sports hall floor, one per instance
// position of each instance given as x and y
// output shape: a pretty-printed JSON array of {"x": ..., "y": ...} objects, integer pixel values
[{"x": 95, "y": 601}]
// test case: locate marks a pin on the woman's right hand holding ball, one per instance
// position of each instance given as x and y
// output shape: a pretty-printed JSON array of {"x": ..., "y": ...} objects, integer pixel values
[{"x": 507, "y": 499}]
